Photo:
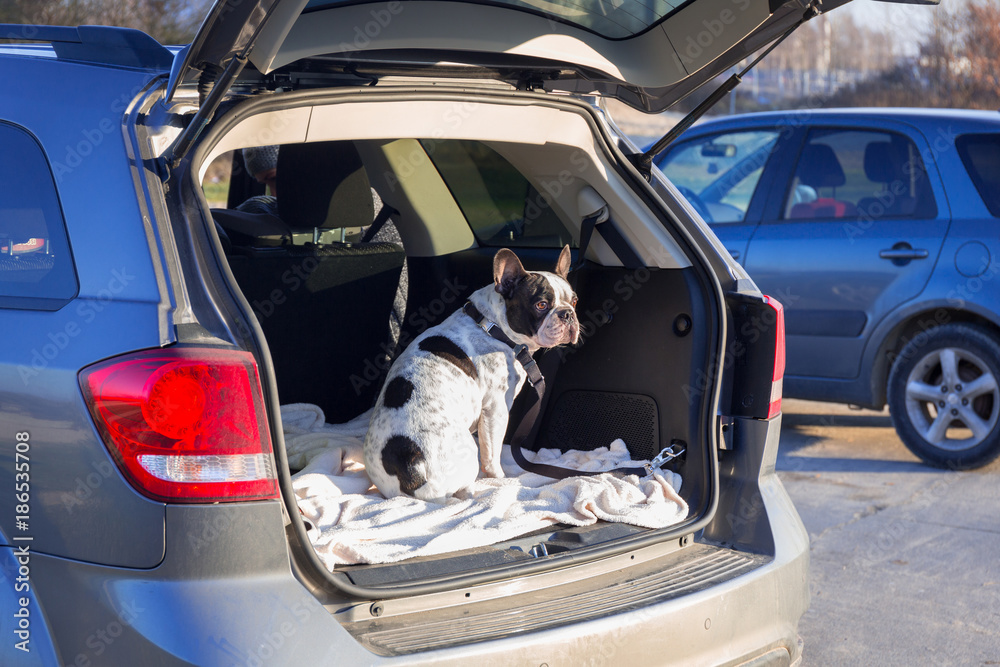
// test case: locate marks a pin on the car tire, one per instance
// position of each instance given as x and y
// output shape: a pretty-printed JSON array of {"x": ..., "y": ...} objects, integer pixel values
[{"x": 944, "y": 396}]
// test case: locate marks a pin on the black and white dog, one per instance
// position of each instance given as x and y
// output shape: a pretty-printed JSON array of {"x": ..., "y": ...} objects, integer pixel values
[{"x": 455, "y": 380}]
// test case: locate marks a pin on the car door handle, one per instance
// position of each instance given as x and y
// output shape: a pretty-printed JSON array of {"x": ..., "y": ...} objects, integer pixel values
[{"x": 904, "y": 253}]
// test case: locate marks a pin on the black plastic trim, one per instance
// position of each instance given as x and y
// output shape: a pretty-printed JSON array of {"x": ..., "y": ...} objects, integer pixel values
[{"x": 750, "y": 355}]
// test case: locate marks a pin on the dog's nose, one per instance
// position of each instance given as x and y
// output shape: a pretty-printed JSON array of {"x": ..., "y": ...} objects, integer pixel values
[{"x": 566, "y": 314}]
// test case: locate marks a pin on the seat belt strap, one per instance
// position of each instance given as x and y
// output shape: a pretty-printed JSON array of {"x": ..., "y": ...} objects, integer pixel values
[{"x": 378, "y": 223}]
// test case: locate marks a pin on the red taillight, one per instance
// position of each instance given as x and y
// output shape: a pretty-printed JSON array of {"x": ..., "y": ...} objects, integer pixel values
[
  {"x": 184, "y": 424},
  {"x": 774, "y": 406}
]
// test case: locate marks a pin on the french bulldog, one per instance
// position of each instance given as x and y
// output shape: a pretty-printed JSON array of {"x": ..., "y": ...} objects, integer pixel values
[{"x": 455, "y": 380}]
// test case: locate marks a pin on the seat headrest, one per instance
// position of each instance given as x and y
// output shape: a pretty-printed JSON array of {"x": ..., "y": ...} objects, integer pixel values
[
  {"x": 881, "y": 165},
  {"x": 323, "y": 185},
  {"x": 819, "y": 167}
]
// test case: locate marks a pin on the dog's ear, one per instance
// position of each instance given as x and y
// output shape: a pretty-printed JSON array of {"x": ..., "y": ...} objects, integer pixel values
[
  {"x": 507, "y": 272},
  {"x": 563, "y": 263}
]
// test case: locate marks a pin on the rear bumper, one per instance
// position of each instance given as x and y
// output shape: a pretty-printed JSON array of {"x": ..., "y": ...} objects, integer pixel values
[
  {"x": 747, "y": 608},
  {"x": 225, "y": 594},
  {"x": 753, "y": 616}
]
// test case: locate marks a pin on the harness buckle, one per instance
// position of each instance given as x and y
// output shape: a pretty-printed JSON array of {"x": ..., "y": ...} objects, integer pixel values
[{"x": 528, "y": 363}]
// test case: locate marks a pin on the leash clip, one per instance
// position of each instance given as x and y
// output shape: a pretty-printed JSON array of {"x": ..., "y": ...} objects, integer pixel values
[{"x": 666, "y": 455}]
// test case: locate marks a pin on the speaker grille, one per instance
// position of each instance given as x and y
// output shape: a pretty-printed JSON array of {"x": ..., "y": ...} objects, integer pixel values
[{"x": 586, "y": 420}]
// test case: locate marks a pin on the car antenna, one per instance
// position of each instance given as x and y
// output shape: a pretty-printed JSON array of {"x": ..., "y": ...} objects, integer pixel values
[{"x": 644, "y": 161}]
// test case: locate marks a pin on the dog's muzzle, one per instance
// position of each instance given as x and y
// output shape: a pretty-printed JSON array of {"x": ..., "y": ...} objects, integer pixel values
[{"x": 566, "y": 320}]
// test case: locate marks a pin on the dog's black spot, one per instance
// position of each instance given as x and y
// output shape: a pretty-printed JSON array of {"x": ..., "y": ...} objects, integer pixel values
[
  {"x": 400, "y": 457},
  {"x": 397, "y": 392},
  {"x": 446, "y": 349}
]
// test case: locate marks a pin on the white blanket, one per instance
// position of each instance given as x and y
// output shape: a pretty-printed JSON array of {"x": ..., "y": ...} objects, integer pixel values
[{"x": 353, "y": 523}]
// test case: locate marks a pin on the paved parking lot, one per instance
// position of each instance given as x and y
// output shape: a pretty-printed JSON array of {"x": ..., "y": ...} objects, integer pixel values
[{"x": 905, "y": 565}]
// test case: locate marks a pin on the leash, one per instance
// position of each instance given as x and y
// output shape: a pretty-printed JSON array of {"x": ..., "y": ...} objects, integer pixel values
[{"x": 527, "y": 430}]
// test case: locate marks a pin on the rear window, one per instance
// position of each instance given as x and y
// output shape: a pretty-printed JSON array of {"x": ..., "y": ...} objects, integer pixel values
[
  {"x": 501, "y": 206},
  {"x": 863, "y": 174},
  {"x": 36, "y": 268},
  {"x": 618, "y": 19},
  {"x": 981, "y": 155}
]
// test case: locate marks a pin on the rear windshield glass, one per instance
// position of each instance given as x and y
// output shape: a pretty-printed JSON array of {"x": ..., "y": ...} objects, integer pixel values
[
  {"x": 36, "y": 269},
  {"x": 615, "y": 19},
  {"x": 498, "y": 202},
  {"x": 981, "y": 155}
]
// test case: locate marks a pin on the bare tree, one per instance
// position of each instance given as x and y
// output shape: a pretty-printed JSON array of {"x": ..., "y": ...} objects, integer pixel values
[
  {"x": 955, "y": 65},
  {"x": 169, "y": 21},
  {"x": 980, "y": 51}
]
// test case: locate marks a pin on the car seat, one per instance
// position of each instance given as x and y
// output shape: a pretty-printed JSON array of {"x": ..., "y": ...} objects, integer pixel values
[
  {"x": 325, "y": 308},
  {"x": 323, "y": 186},
  {"x": 819, "y": 168},
  {"x": 884, "y": 163}
]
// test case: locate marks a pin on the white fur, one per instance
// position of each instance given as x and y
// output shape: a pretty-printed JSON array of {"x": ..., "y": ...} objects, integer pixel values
[{"x": 447, "y": 405}]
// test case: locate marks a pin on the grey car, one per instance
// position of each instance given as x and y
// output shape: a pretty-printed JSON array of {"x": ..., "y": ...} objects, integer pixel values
[
  {"x": 150, "y": 340},
  {"x": 876, "y": 230}
]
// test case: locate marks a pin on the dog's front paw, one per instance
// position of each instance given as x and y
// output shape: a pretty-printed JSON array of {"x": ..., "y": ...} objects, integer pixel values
[
  {"x": 493, "y": 471},
  {"x": 462, "y": 495}
]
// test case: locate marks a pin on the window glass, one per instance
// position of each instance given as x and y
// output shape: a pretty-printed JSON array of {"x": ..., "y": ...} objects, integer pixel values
[
  {"x": 859, "y": 174},
  {"x": 36, "y": 269},
  {"x": 981, "y": 155},
  {"x": 616, "y": 19},
  {"x": 719, "y": 175},
  {"x": 500, "y": 205}
]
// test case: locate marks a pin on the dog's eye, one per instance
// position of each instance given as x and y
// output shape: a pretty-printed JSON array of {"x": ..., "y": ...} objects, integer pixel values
[
  {"x": 572, "y": 302},
  {"x": 542, "y": 305}
]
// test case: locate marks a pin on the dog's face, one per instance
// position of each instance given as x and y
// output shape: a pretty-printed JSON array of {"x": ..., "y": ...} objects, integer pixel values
[{"x": 540, "y": 305}]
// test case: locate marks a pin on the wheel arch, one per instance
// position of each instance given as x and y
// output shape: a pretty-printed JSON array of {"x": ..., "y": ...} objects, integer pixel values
[{"x": 898, "y": 329}]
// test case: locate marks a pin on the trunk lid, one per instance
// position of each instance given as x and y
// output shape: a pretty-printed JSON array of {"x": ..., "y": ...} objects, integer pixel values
[{"x": 645, "y": 54}]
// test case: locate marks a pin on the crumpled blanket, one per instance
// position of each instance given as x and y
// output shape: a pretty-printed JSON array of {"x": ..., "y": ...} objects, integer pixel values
[{"x": 353, "y": 523}]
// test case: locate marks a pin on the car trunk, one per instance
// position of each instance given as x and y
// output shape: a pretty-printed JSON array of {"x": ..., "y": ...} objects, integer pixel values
[{"x": 322, "y": 312}]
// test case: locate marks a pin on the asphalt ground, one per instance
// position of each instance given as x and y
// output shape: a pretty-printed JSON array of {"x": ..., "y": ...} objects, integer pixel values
[{"x": 905, "y": 559}]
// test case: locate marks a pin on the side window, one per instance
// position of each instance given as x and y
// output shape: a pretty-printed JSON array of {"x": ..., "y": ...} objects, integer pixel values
[
  {"x": 719, "y": 175},
  {"x": 501, "y": 206},
  {"x": 847, "y": 173},
  {"x": 981, "y": 155},
  {"x": 36, "y": 268}
]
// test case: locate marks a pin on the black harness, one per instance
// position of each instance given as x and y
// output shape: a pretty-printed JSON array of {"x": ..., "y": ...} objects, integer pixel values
[{"x": 528, "y": 428}]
